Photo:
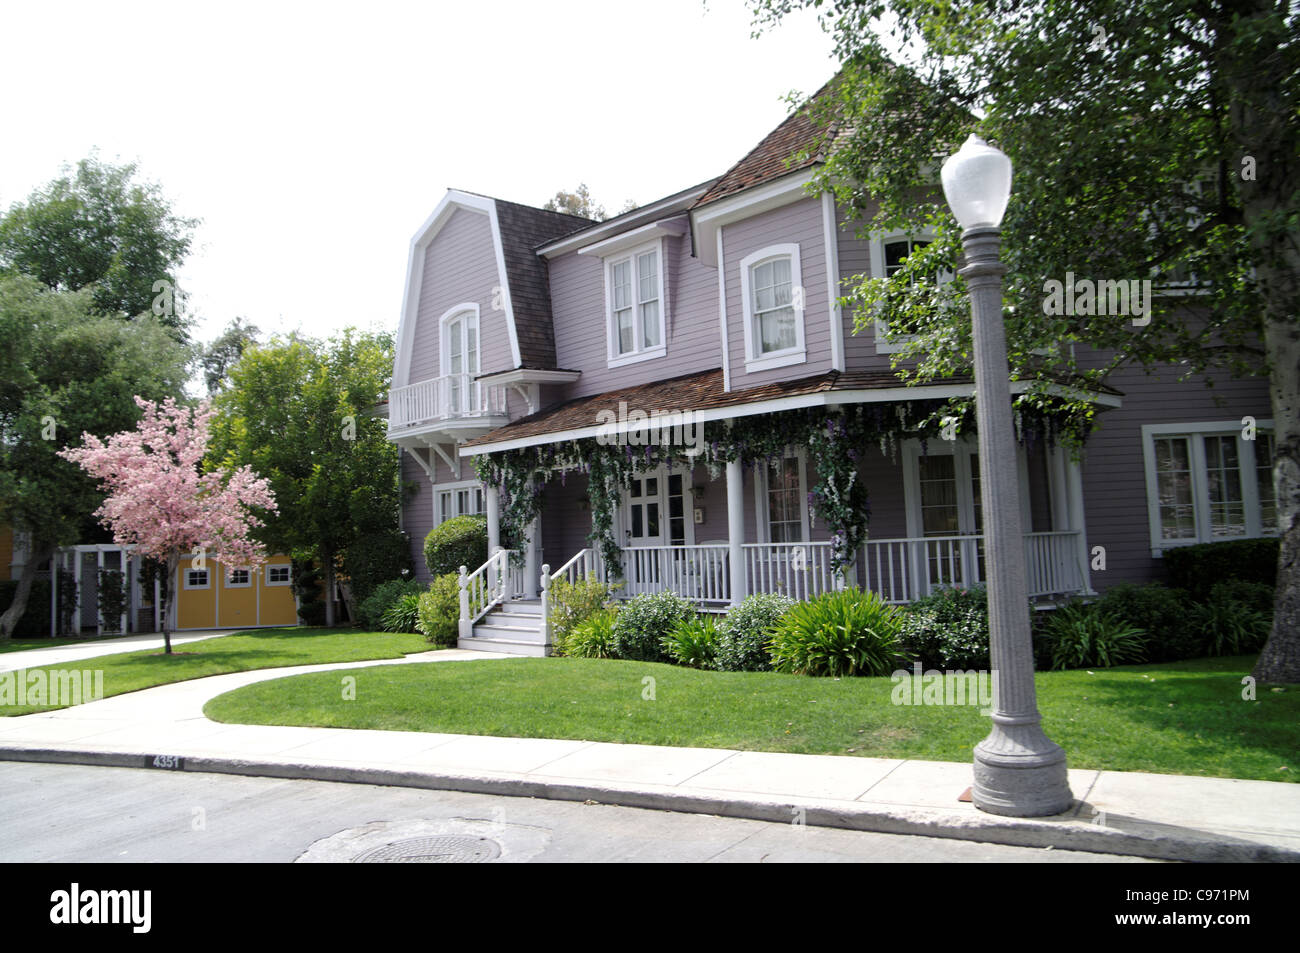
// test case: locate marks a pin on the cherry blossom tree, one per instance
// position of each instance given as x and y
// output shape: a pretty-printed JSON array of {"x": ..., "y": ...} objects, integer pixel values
[{"x": 159, "y": 500}]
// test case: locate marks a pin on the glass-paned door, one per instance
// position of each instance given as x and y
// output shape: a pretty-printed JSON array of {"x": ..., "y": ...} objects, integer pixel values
[
  {"x": 461, "y": 350},
  {"x": 654, "y": 518},
  {"x": 949, "y": 503}
]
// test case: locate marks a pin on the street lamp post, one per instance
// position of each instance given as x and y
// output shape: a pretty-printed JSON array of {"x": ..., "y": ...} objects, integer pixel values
[{"x": 1019, "y": 771}]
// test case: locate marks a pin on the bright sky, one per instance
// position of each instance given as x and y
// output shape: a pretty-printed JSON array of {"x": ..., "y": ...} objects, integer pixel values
[{"x": 313, "y": 139}]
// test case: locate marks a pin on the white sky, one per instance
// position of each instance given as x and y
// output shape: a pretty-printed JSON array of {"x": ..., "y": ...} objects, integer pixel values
[{"x": 313, "y": 139}]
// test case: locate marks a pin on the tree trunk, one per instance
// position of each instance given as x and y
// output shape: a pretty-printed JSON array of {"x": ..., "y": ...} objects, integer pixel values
[
  {"x": 327, "y": 558},
  {"x": 40, "y": 552},
  {"x": 1257, "y": 57},
  {"x": 169, "y": 584}
]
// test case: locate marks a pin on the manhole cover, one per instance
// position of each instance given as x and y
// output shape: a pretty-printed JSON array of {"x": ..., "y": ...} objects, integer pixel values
[{"x": 433, "y": 850}]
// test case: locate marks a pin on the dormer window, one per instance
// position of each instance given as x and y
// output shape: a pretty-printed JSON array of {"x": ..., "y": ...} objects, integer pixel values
[
  {"x": 773, "y": 298},
  {"x": 635, "y": 293}
]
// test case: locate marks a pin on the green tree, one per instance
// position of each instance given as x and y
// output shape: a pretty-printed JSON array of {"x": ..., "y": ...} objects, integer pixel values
[
  {"x": 218, "y": 357},
  {"x": 100, "y": 228},
  {"x": 578, "y": 202},
  {"x": 300, "y": 412},
  {"x": 66, "y": 370},
  {"x": 1151, "y": 138}
]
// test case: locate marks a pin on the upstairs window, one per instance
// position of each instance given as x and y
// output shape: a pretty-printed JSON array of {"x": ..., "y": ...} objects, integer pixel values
[
  {"x": 773, "y": 306},
  {"x": 635, "y": 292},
  {"x": 460, "y": 360},
  {"x": 888, "y": 254}
]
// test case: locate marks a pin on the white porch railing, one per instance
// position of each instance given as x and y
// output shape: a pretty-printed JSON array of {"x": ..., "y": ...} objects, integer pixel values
[
  {"x": 485, "y": 588},
  {"x": 697, "y": 572},
  {"x": 452, "y": 397},
  {"x": 798, "y": 570}
]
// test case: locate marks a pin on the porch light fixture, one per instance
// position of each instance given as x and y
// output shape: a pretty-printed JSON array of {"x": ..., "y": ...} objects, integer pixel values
[{"x": 1019, "y": 771}]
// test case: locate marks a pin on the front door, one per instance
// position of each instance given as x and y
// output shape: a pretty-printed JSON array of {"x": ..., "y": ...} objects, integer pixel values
[
  {"x": 948, "y": 496},
  {"x": 654, "y": 517}
]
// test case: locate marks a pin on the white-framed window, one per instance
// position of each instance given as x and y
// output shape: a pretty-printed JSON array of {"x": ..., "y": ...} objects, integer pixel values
[
  {"x": 782, "y": 499},
  {"x": 197, "y": 579},
  {"x": 239, "y": 579},
  {"x": 771, "y": 288},
  {"x": 634, "y": 304},
  {"x": 458, "y": 499},
  {"x": 277, "y": 575},
  {"x": 1207, "y": 482},
  {"x": 1180, "y": 279},
  {"x": 461, "y": 358},
  {"x": 888, "y": 252}
]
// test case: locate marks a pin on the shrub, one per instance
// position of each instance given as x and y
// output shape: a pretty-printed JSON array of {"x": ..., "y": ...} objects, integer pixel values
[
  {"x": 948, "y": 629},
  {"x": 748, "y": 627},
  {"x": 1080, "y": 635},
  {"x": 1254, "y": 595},
  {"x": 404, "y": 614},
  {"x": 459, "y": 541},
  {"x": 372, "y": 609},
  {"x": 34, "y": 623},
  {"x": 1161, "y": 613},
  {"x": 643, "y": 622},
  {"x": 374, "y": 559},
  {"x": 1231, "y": 623},
  {"x": 307, "y": 585},
  {"x": 438, "y": 614},
  {"x": 574, "y": 603},
  {"x": 593, "y": 637},
  {"x": 849, "y": 632},
  {"x": 693, "y": 642},
  {"x": 1198, "y": 568},
  {"x": 114, "y": 599}
]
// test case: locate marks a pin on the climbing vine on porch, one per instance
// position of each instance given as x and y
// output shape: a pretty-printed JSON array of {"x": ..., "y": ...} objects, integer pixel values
[{"x": 836, "y": 438}]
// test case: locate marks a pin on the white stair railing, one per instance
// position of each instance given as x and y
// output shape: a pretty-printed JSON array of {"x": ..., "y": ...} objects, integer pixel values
[{"x": 484, "y": 589}]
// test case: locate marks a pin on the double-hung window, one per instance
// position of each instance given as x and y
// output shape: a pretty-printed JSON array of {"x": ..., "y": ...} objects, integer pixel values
[
  {"x": 1208, "y": 482},
  {"x": 772, "y": 291},
  {"x": 635, "y": 294},
  {"x": 781, "y": 500},
  {"x": 888, "y": 253},
  {"x": 460, "y": 500}
]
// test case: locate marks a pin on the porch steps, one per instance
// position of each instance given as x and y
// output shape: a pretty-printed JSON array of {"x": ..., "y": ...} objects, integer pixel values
[{"x": 511, "y": 629}]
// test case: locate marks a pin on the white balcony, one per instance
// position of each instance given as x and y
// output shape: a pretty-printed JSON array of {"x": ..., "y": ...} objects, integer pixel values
[{"x": 455, "y": 403}]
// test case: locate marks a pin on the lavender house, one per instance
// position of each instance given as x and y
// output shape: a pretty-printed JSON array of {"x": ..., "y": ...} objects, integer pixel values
[{"x": 528, "y": 338}]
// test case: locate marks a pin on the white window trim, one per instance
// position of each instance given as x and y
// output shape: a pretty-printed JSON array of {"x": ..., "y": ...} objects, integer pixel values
[
  {"x": 287, "y": 581},
  {"x": 754, "y": 361},
  {"x": 623, "y": 516},
  {"x": 207, "y": 575},
  {"x": 963, "y": 447},
  {"x": 1200, "y": 494},
  {"x": 444, "y": 356},
  {"x": 878, "y": 243},
  {"x": 613, "y": 358},
  {"x": 238, "y": 585},
  {"x": 762, "y": 505},
  {"x": 452, "y": 488}
]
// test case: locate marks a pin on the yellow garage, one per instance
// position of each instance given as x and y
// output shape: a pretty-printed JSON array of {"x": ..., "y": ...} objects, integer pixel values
[{"x": 212, "y": 597}]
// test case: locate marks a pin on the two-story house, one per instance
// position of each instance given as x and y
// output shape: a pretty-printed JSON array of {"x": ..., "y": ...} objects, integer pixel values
[{"x": 528, "y": 330}]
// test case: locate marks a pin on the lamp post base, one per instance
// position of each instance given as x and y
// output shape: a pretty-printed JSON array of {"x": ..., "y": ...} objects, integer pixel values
[{"x": 1020, "y": 772}]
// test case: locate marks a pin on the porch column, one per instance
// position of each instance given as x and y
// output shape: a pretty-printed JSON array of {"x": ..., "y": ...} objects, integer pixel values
[
  {"x": 531, "y": 573},
  {"x": 1074, "y": 483},
  {"x": 736, "y": 529},
  {"x": 492, "y": 499}
]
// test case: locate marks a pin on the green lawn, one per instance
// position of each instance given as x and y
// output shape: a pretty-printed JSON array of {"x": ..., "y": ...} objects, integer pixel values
[
  {"x": 22, "y": 645},
  {"x": 241, "y": 652},
  {"x": 1180, "y": 718}
]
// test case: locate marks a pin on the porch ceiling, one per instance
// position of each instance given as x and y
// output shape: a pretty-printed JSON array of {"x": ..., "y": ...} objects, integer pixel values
[{"x": 703, "y": 395}]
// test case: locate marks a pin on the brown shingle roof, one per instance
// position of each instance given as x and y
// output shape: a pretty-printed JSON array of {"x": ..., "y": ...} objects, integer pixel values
[
  {"x": 522, "y": 229},
  {"x": 772, "y": 158},
  {"x": 695, "y": 392}
]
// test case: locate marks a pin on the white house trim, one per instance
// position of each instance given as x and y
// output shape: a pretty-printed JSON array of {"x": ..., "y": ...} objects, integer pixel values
[
  {"x": 1200, "y": 493},
  {"x": 778, "y": 404},
  {"x": 667, "y": 228},
  {"x": 631, "y": 254},
  {"x": 798, "y": 354},
  {"x": 444, "y": 356},
  {"x": 877, "y": 244},
  {"x": 425, "y": 235},
  {"x": 722, "y": 315},
  {"x": 762, "y": 198},
  {"x": 633, "y": 219},
  {"x": 830, "y": 235}
]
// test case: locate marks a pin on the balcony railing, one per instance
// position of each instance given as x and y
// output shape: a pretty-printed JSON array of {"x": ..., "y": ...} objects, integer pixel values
[{"x": 441, "y": 399}]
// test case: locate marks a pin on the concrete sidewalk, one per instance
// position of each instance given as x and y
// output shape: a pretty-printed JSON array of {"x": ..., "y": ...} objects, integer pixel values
[
  {"x": 64, "y": 654},
  {"x": 1149, "y": 815}
]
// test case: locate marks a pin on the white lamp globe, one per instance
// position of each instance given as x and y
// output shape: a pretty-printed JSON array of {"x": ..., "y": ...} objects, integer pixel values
[{"x": 977, "y": 183}]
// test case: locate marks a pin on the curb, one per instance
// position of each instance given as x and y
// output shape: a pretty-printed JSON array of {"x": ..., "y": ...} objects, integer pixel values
[{"x": 1168, "y": 844}]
